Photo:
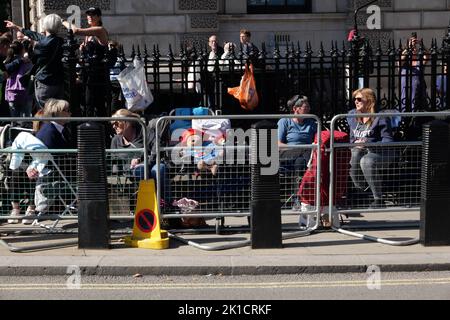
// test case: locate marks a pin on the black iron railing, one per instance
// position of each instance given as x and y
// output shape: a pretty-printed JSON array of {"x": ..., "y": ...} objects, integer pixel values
[{"x": 404, "y": 78}]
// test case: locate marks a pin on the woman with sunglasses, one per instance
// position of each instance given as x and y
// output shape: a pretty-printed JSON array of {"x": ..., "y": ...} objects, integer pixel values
[
  {"x": 95, "y": 51},
  {"x": 367, "y": 161},
  {"x": 296, "y": 131}
]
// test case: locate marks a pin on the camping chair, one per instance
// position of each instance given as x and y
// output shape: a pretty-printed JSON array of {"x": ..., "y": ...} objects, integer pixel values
[{"x": 178, "y": 126}]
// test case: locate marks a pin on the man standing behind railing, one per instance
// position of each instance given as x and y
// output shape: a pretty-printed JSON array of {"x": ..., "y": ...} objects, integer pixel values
[
  {"x": 248, "y": 48},
  {"x": 215, "y": 53}
]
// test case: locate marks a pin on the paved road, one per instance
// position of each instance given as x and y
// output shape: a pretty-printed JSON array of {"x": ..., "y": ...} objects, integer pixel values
[{"x": 431, "y": 285}]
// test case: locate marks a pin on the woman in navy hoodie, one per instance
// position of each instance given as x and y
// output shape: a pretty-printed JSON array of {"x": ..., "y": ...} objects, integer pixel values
[{"x": 366, "y": 161}]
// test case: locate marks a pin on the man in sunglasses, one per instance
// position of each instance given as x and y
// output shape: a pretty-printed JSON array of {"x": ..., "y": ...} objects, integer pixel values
[{"x": 296, "y": 131}]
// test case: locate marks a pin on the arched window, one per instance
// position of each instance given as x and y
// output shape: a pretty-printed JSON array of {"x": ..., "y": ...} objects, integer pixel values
[{"x": 278, "y": 6}]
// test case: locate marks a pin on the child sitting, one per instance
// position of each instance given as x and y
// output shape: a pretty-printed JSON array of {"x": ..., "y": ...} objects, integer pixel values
[{"x": 204, "y": 152}]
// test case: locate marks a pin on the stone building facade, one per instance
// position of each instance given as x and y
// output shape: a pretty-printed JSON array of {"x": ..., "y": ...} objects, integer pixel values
[{"x": 175, "y": 21}]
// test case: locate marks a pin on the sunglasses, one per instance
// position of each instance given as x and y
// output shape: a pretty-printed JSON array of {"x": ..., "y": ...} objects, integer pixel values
[{"x": 358, "y": 99}]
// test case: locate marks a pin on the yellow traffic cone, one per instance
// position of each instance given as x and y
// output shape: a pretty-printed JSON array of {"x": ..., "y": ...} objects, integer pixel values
[{"x": 147, "y": 232}]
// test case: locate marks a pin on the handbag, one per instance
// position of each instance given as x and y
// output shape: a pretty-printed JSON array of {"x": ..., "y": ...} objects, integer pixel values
[{"x": 246, "y": 92}]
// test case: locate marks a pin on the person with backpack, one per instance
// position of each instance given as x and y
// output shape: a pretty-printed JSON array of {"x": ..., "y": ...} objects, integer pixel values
[{"x": 19, "y": 100}]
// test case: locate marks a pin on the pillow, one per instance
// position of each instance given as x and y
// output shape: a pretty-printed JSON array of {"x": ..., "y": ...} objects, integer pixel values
[{"x": 200, "y": 111}]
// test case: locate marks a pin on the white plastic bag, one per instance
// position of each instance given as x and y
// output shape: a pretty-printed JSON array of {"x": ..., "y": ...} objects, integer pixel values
[{"x": 134, "y": 86}]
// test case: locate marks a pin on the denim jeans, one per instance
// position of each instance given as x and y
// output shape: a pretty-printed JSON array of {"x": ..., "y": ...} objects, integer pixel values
[
  {"x": 138, "y": 173},
  {"x": 364, "y": 170}
]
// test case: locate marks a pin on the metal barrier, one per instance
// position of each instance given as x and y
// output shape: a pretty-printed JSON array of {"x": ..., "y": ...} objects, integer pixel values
[
  {"x": 388, "y": 179},
  {"x": 54, "y": 193},
  {"x": 122, "y": 181},
  {"x": 217, "y": 192},
  {"x": 192, "y": 190}
]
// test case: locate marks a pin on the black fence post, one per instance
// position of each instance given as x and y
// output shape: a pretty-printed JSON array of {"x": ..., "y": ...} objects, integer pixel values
[
  {"x": 446, "y": 63},
  {"x": 96, "y": 84},
  {"x": 71, "y": 88},
  {"x": 356, "y": 44},
  {"x": 378, "y": 66},
  {"x": 334, "y": 79},
  {"x": 321, "y": 88},
  {"x": 171, "y": 89},
  {"x": 433, "y": 91},
  {"x": 156, "y": 77},
  {"x": 391, "y": 76}
]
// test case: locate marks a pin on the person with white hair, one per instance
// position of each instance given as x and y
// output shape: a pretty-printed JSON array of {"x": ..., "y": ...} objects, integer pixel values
[{"x": 47, "y": 59}]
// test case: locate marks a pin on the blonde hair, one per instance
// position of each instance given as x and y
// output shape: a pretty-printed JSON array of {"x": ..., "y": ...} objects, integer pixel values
[
  {"x": 37, "y": 124},
  {"x": 369, "y": 95},
  {"x": 54, "y": 107}
]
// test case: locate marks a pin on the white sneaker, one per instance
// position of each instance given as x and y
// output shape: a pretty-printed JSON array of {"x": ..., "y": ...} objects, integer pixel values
[
  {"x": 14, "y": 213},
  {"x": 29, "y": 212}
]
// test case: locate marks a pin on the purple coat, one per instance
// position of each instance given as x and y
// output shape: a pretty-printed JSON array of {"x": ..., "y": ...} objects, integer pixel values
[{"x": 15, "y": 92}]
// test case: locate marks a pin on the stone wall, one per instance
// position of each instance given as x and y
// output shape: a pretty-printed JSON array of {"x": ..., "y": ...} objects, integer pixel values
[
  {"x": 176, "y": 21},
  {"x": 399, "y": 18},
  {"x": 150, "y": 22}
]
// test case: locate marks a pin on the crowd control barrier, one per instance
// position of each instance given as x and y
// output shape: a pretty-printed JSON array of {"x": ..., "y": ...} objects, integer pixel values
[
  {"x": 55, "y": 191},
  {"x": 216, "y": 189},
  {"x": 382, "y": 176}
]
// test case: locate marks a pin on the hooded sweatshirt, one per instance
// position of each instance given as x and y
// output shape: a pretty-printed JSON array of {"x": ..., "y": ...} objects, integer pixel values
[{"x": 378, "y": 131}]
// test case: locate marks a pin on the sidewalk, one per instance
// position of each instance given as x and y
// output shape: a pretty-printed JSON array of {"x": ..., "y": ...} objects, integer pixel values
[{"x": 324, "y": 251}]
